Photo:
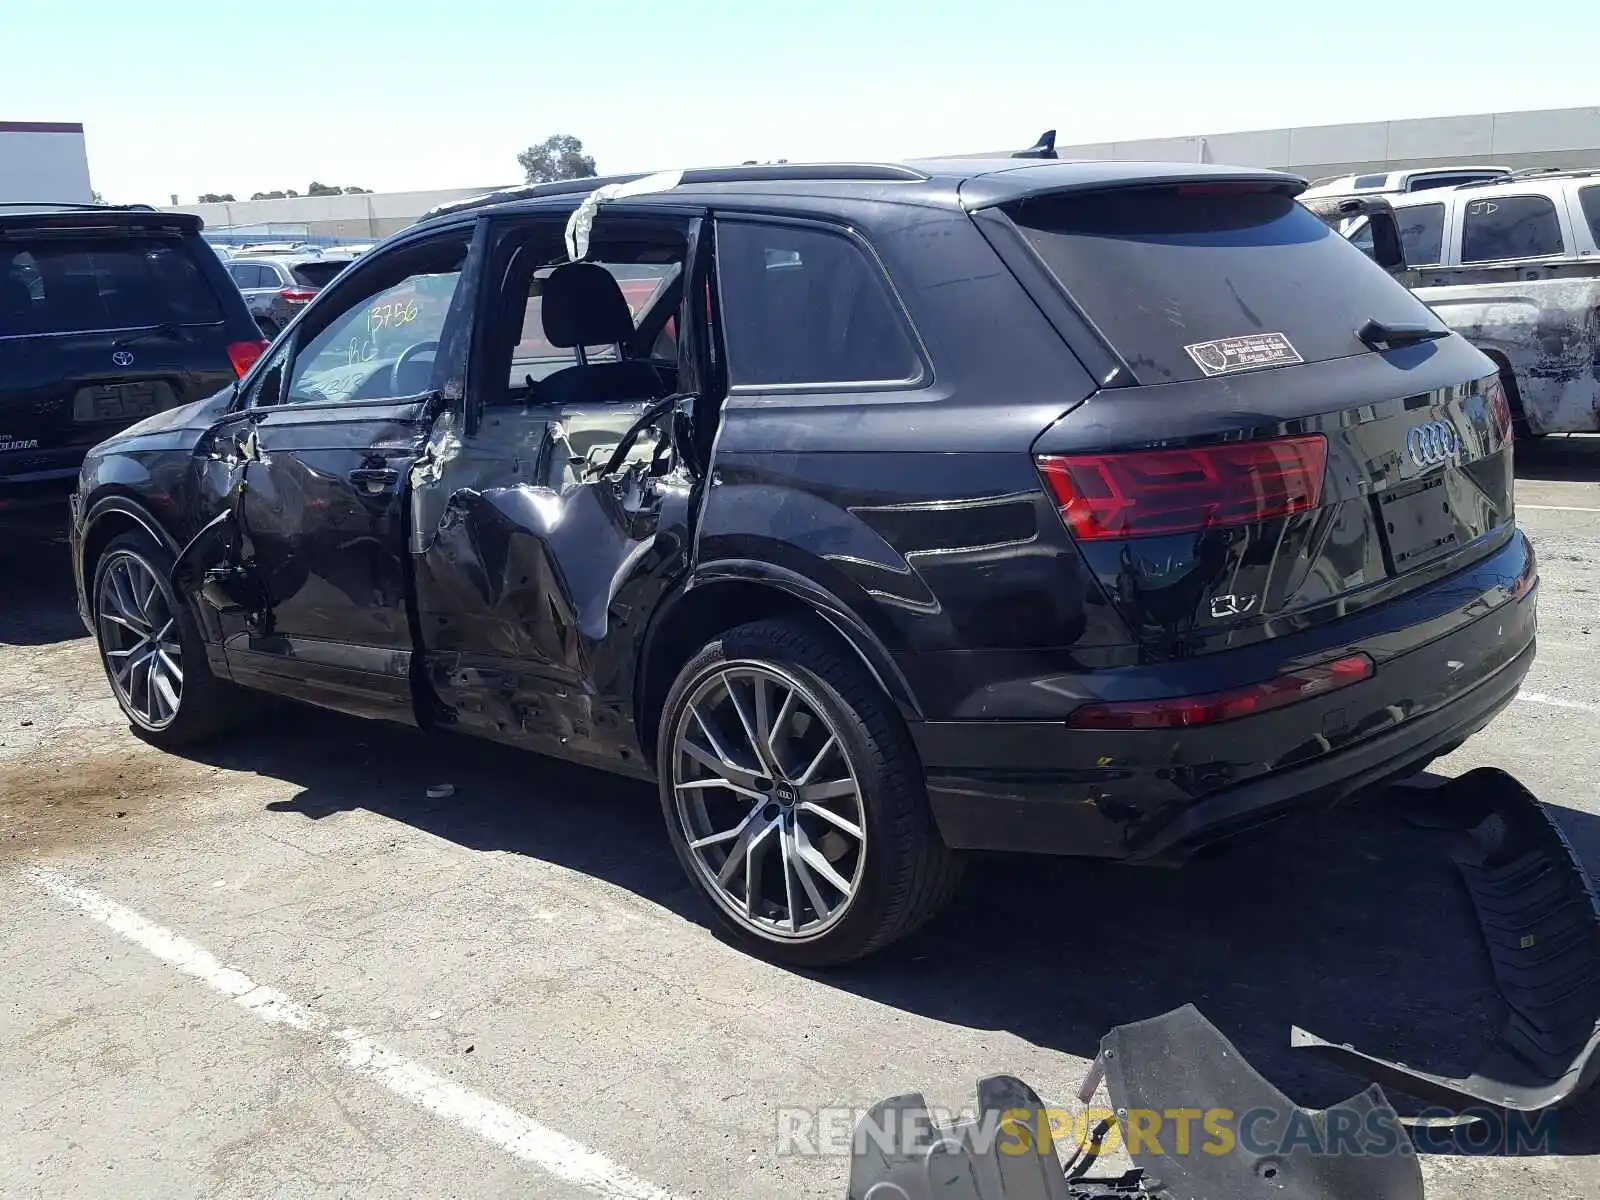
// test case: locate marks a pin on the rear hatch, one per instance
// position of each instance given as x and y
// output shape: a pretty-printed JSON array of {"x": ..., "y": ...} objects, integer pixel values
[
  {"x": 318, "y": 273},
  {"x": 105, "y": 318},
  {"x": 1265, "y": 467}
]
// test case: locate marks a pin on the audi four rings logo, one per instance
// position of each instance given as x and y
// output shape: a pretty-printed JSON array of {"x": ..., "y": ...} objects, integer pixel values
[
  {"x": 122, "y": 358},
  {"x": 1432, "y": 443}
]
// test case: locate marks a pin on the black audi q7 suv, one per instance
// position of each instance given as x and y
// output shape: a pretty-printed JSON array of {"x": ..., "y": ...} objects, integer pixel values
[{"x": 879, "y": 513}]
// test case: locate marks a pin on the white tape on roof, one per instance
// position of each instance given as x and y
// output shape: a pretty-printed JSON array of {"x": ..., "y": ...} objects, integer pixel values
[{"x": 582, "y": 218}]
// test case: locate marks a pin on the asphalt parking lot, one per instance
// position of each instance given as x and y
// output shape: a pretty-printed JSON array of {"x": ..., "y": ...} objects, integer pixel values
[{"x": 276, "y": 967}]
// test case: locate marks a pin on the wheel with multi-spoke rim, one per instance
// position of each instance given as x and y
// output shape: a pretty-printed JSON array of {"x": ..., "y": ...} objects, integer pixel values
[
  {"x": 150, "y": 647},
  {"x": 795, "y": 799}
]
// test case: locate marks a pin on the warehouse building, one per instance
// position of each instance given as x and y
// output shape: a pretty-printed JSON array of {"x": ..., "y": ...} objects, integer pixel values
[
  {"x": 1551, "y": 137},
  {"x": 43, "y": 161},
  {"x": 1559, "y": 137},
  {"x": 364, "y": 216}
]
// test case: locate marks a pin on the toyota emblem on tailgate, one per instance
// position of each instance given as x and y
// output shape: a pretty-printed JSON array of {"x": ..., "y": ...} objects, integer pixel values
[
  {"x": 122, "y": 358},
  {"x": 1432, "y": 443}
]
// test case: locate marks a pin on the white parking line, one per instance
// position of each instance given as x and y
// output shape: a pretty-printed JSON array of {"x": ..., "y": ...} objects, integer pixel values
[
  {"x": 1556, "y": 702},
  {"x": 1555, "y": 508},
  {"x": 511, "y": 1131}
]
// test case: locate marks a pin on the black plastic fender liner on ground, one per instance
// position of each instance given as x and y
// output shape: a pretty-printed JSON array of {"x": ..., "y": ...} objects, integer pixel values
[
  {"x": 1180, "y": 1061},
  {"x": 1541, "y": 920},
  {"x": 1170, "y": 1070},
  {"x": 973, "y": 1160}
]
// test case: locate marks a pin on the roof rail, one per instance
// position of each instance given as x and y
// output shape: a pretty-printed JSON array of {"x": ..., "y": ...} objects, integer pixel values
[
  {"x": 748, "y": 173},
  {"x": 1533, "y": 173}
]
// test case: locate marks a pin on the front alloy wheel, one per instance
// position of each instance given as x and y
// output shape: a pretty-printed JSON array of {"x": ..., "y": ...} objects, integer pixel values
[
  {"x": 151, "y": 648},
  {"x": 768, "y": 801},
  {"x": 140, "y": 641}
]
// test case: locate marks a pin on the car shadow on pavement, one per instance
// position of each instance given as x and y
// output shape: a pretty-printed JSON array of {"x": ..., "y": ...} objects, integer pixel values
[
  {"x": 37, "y": 603},
  {"x": 1559, "y": 459},
  {"x": 1354, "y": 926}
]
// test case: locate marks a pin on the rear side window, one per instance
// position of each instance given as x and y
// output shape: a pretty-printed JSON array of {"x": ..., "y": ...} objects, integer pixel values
[
  {"x": 70, "y": 285},
  {"x": 1589, "y": 197},
  {"x": 1165, "y": 273},
  {"x": 1427, "y": 183},
  {"x": 1422, "y": 233},
  {"x": 805, "y": 306},
  {"x": 1509, "y": 227},
  {"x": 317, "y": 274}
]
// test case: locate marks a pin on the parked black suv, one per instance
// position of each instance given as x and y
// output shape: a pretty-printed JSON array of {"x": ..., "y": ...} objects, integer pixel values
[
  {"x": 878, "y": 512},
  {"x": 106, "y": 316}
]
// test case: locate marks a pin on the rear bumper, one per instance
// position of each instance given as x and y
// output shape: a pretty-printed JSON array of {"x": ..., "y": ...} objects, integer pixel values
[
  {"x": 35, "y": 493},
  {"x": 1156, "y": 795}
]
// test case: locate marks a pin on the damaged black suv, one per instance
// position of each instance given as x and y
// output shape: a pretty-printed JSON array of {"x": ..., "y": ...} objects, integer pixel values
[{"x": 880, "y": 513}]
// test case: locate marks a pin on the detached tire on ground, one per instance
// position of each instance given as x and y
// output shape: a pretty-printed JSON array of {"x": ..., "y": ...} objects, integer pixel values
[
  {"x": 151, "y": 649},
  {"x": 794, "y": 797}
]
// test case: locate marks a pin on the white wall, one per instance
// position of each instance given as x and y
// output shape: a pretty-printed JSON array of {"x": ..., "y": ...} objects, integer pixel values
[
  {"x": 43, "y": 160},
  {"x": 367, "y": 215},
  {"x": 1551, "y": 137}
]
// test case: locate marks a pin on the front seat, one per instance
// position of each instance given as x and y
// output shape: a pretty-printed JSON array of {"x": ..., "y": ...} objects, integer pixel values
[{"x": 582, "y": 305}]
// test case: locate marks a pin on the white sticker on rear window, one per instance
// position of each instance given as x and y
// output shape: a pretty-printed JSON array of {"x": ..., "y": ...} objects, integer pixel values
[{"x": 1245, "y": 353}]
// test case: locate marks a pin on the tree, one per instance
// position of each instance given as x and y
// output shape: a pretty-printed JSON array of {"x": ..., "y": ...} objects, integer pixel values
[
  {"x": 355, "y": 191},
  {"x": 266, "y": 195},
  {"x": 559, "y": 156},
  {"x": 215, "y": 198},
  {"x": 321, "y": 189},
  {"x": 97, "y": 198}
]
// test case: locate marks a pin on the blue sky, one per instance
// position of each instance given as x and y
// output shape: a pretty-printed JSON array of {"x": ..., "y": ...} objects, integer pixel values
[{"x": 177, "y": 97}]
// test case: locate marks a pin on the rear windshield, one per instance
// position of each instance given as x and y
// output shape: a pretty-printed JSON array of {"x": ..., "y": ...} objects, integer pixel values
[
  {"x": 1179, "y": 276},
  {"x": 317, "y": 274},
  {"x": 69, "y": 285}
]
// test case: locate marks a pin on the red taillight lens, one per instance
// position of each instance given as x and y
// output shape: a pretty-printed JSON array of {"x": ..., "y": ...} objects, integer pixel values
[
  {"x": 1181, "y": 711},
  {"x": 1499, "y": 407},
  {"x": 1145, "y": 492},
  {"x": 243, "y": 355},
  {"x": 295, "y": 295}
]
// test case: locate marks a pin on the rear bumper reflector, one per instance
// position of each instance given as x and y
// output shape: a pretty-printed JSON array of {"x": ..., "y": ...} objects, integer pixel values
[{"x": 1179, "y": 712}]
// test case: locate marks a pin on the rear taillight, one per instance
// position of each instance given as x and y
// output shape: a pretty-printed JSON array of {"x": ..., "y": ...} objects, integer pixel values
[
  {"x": 1528, "y": 577},
  {"x": 243, "y": 355},
  {"x": 1499, "y": 407},
  {"x": 298, "y": 295},
  {"x": 1146, "y": 492},
  {"x": 1181, "y": 711}
]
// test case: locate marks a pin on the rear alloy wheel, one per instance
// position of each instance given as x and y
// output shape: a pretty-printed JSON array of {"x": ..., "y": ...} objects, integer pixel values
[
  {"x": 794, "y": 797},
  {"x": 151, "y": 649},
  {"x": 768, "y": 802}
]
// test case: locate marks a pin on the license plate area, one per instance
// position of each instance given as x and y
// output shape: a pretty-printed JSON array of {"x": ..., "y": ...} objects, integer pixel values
[
  {"x": 124, "y": 403},
  {"x": 1422, "y": 522}
]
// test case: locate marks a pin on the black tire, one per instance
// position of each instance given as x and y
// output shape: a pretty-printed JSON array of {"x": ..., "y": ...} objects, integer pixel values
[
  {"x": 906, "y": 874},
  {"x": 205, "y": 705}
]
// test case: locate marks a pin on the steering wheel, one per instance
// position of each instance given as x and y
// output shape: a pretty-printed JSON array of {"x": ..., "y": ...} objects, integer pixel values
[{"x": 406, "y": 356}]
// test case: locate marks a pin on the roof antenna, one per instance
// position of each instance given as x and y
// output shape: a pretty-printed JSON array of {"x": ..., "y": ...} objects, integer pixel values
[{"x": 1045, "y": 147}]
